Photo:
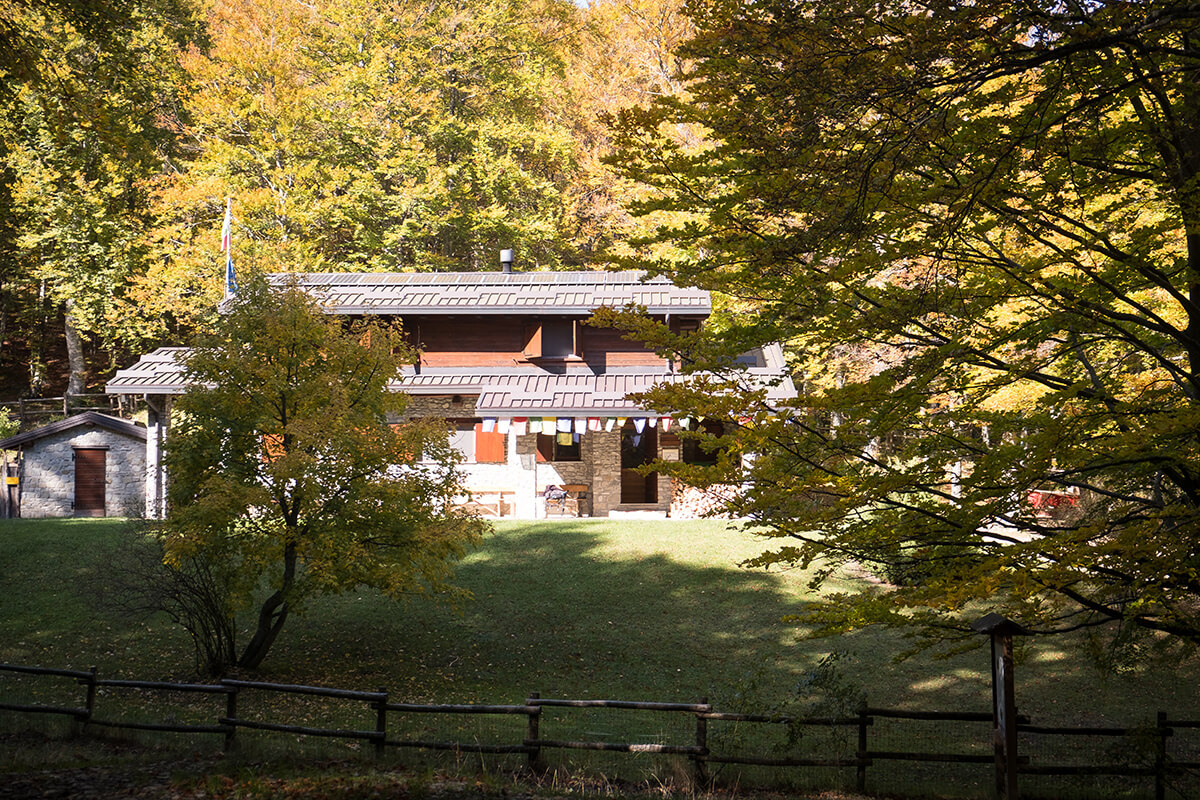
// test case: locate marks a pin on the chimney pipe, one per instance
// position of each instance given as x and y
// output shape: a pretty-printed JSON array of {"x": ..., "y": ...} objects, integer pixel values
[{"x": 506, "y": 259}]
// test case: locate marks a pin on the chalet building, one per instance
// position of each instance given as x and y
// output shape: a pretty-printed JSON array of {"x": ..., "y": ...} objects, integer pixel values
[{"x": 535, "y": 397}]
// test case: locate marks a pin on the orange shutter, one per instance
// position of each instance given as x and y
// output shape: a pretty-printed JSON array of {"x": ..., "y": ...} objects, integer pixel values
[
  {"x": 545, "y": 447},
  {"x": 489, "y": 447},
  {"x": 533, "y": 340}
]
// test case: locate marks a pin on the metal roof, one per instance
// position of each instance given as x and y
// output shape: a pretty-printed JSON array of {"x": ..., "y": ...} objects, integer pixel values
[
  {"x": 496, "y": 292},
  {"x": 502, "y": 391},
  {"x": 86, "y": 418},
  {"x": 158, "y": 372},
  {"x": 532, "y": 392}
]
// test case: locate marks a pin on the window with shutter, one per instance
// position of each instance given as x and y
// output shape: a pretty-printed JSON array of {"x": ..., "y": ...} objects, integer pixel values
[{"x": 490, "y": 448}]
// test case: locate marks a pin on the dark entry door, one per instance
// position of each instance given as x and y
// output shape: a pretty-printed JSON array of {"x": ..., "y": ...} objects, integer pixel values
[
  {"x": 89, "y": 483},
  {"x": 638, "y": 449}
]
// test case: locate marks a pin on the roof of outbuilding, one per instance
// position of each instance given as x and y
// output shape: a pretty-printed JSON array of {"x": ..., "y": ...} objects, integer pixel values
[
  {"x": 86, "y": 418},
  {"x": 496, "y": 292}
]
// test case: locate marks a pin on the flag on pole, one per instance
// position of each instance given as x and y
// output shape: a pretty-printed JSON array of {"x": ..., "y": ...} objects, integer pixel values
[{"x": 227, "y": 249}]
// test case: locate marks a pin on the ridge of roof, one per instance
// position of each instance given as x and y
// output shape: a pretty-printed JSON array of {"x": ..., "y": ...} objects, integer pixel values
[
  {"x": 86, "y": 418},
  {"x": 529, "y": 293}
]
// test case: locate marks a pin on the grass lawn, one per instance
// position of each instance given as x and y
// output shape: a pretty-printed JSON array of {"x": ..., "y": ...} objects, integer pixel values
[{"x": 645, "y": 610}]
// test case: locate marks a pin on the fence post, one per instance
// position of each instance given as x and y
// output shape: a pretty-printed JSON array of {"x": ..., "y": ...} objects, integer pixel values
[
  {"x": 381, "y": 722},
  {"x": 702, "y": 743},
  {"x": 231, "y": 711},
  {"x": 90, "y": 703},
  {"x": 1004, "y": 702},
  {"x": 860, "y": 779},
  {"x": 1160, "y": 757},
  {"x": 532, "y": 731}
]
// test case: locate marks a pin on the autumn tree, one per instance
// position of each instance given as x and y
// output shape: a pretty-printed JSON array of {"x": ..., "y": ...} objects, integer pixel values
[
  {"x": 87, "y": 95},
  {"x": 977, "y": 227},
  {"x": 625, "y": 54},
  {"x": 287, "y": 472},
  {"x": 364, "y": 136}
]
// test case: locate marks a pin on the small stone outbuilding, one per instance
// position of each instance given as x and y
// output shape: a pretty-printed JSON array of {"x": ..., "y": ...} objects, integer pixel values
[{"x": 88, "y": 465}]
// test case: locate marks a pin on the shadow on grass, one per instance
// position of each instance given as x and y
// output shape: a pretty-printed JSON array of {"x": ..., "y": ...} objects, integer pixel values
[
  {"x": 566, "y": 609},
  {"x": 637, "y": 610}
]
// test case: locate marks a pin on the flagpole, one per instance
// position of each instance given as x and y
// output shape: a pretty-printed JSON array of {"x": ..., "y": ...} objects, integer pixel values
[{"x": 227, "y": 249}]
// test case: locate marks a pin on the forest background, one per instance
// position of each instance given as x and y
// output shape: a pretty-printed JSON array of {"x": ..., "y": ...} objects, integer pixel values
[
  {"x": 974, "y": 226},
  {"x": 358, "y": 135}
]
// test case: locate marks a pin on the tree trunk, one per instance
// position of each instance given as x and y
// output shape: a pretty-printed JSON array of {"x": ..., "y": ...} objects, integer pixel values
[
  {"x": 271, "y": 616},
  {"x": 37, "y": 347},
  {"x": 77, "y": 382},
  {"x": 270, "y": 622}
]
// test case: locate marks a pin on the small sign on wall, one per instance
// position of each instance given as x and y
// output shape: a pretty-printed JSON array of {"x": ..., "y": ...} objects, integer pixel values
[
  {"x": 670, "y": 454},
  {"x": 12, "y": 481}
]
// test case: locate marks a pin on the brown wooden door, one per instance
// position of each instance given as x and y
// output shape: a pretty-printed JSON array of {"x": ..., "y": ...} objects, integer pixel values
[{"x": 89, "y": 483}]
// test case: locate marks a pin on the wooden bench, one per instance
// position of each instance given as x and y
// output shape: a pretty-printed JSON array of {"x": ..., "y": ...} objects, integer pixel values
[
  {"x": 490, "y": 502},
  {"x": 570, "y": 505}
]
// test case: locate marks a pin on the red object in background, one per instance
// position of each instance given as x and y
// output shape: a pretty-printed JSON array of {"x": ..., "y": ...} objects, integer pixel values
[{"x": 1047, "y": 501}]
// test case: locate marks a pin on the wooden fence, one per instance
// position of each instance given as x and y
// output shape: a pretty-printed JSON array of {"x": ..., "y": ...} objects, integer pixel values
[
  {"x": 386, "y": 734},
  {"x": 31, "y": 411}
]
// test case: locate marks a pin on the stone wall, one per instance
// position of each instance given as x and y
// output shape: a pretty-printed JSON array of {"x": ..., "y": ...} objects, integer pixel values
[
  {"x": 441, "y": 406},
  {"x": 606, "y": 484},
  {"x": 48, "y": 473}
]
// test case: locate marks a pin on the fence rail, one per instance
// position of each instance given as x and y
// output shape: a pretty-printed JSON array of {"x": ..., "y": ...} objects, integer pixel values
[
  {"x": 32, "y": 409},
  {"x": 384, "y": 735}
]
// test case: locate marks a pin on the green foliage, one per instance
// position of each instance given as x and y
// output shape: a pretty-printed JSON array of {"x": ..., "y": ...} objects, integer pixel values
[
  {"x": 8, "y": 425},
  {"x": 87, "y": 96},
  {"x": 975, "y": 227},
  {"x": 351, "y": 136},
  {"x": 283, "y": 463},
  {"x": 365, "y": 136}
]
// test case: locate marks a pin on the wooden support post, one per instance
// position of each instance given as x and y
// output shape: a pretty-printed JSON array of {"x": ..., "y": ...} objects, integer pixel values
[
  {"x": 531, "y": 734},
  {"x": 1004, "y": 703},
  {"x": 381, "y": 722}
]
